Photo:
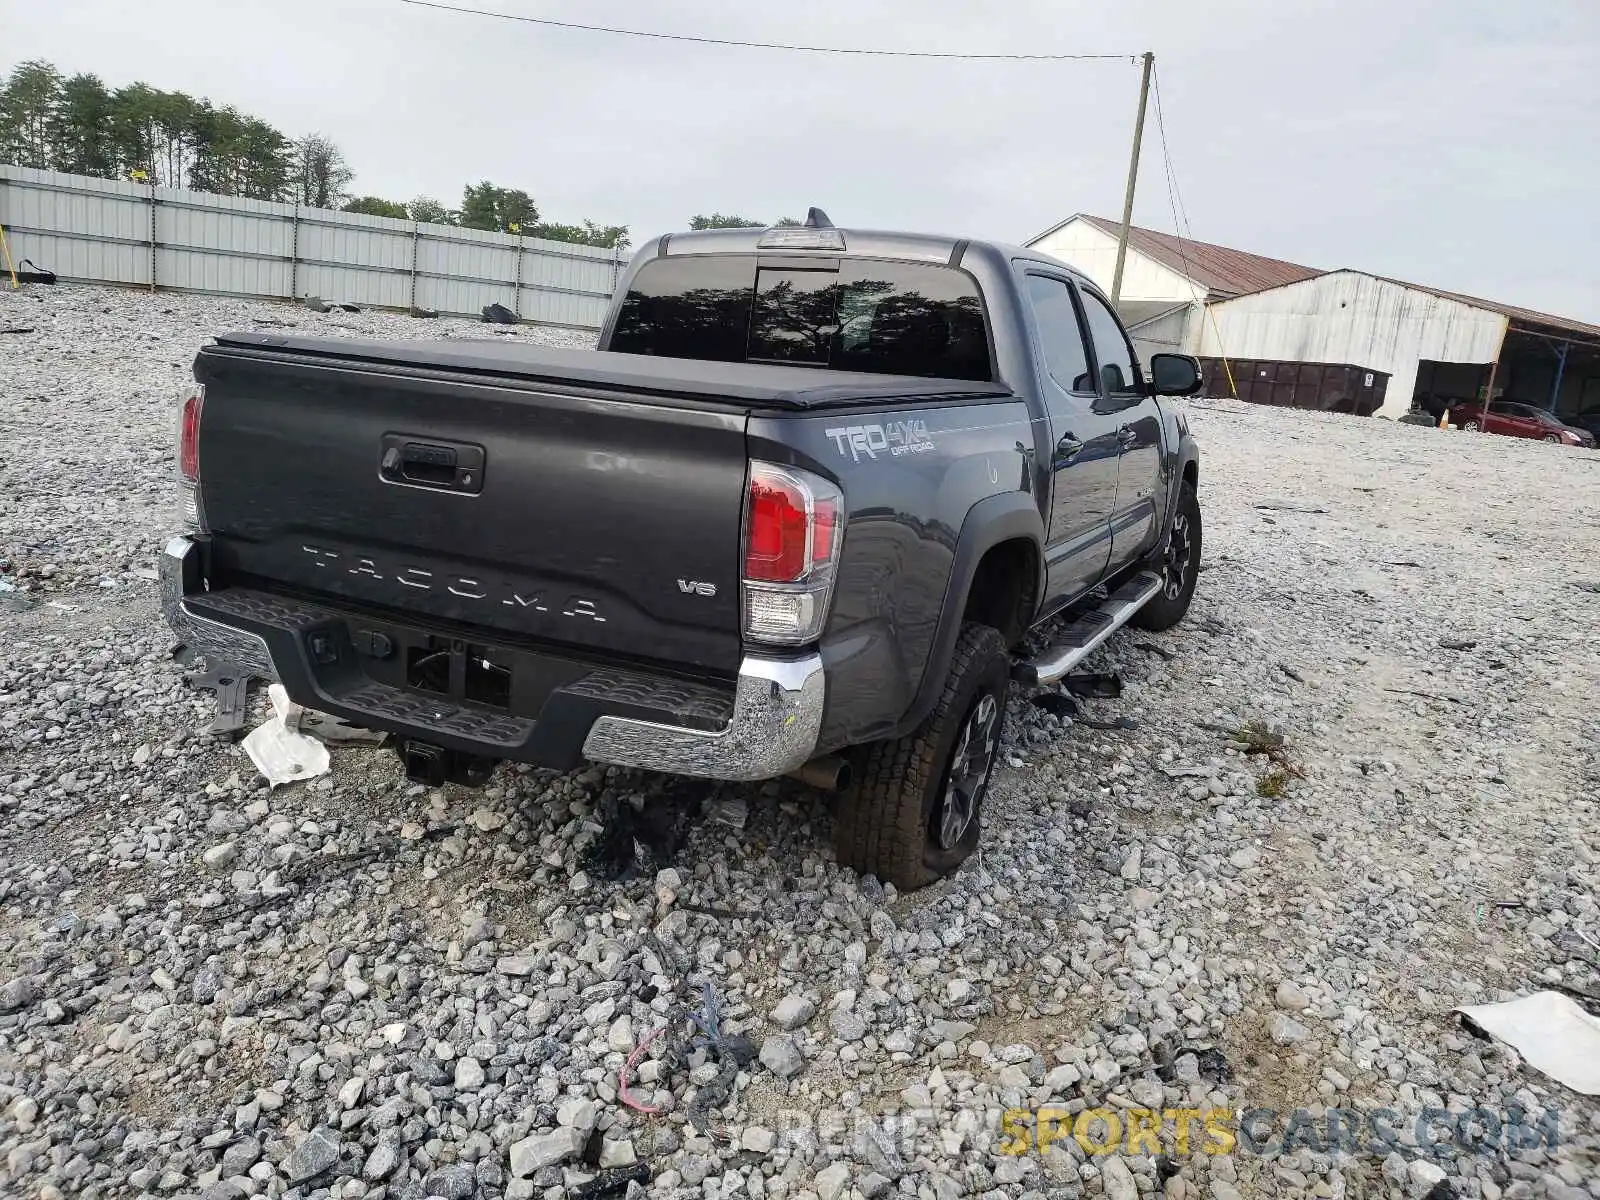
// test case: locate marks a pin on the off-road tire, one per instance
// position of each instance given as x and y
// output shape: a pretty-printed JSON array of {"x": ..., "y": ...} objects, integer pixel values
[
  {"x": 885, "y": 817},
  {"x": 1167, "y": 609}
]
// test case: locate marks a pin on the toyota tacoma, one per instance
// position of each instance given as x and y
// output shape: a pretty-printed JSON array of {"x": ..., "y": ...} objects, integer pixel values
[{"x": 795, "y": 516}]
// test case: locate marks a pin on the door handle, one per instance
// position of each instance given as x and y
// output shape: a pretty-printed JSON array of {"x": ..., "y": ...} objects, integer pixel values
[
  {"x": 1068, "y": 446},
  {"x": 1127, "y": 437}
]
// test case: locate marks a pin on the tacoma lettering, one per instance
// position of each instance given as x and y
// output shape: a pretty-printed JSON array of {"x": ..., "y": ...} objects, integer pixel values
[{"x": 465, "y": 587}]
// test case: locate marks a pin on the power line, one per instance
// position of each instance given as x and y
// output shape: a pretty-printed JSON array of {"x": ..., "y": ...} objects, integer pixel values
[
  {"x": 1174, "y": 196},
  {"x": 744, "y": 45},
  {"x": 1180, "y": 223}
]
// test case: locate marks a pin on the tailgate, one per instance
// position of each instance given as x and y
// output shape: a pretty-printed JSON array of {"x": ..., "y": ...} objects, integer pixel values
[{"x": 598, "y": 522}]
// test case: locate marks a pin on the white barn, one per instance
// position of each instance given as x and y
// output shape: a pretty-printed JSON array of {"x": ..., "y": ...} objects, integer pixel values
[
  {"x": 1282, "y": 325},
  {"x": 1166, "y": 281}
]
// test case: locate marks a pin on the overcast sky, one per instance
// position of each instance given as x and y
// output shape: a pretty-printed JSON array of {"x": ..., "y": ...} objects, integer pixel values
[{"x": 1450, "y": 142}]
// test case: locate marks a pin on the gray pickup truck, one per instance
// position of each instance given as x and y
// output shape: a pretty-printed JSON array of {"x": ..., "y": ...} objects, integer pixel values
[{"x": 794, "y": 517}]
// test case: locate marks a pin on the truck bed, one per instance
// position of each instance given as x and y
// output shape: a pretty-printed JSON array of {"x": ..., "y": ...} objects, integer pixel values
[{"x": 750, "y": 385}]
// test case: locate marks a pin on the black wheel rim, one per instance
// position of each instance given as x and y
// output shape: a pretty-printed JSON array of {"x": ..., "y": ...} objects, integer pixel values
[
  {"x": 1176, "y": 567},
  {"x": 968, "y": 774}
]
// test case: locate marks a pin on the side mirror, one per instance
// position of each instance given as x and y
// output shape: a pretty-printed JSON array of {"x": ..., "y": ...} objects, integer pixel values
[{"x": 1174, "y": 375}]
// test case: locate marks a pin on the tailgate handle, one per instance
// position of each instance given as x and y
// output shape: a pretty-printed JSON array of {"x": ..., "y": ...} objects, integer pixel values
[
  {"x": 445, "y": 466},
  {"x": 422, "y": 463}
]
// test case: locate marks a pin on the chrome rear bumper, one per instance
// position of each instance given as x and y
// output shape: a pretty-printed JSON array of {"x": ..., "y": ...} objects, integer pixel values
[
  {"x": 777, "y": 713},
  {"x": 772, "y": 728}
]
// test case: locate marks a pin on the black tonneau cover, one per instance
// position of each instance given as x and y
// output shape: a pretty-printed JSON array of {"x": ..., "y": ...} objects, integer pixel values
[{"x": 760, "y": 384}]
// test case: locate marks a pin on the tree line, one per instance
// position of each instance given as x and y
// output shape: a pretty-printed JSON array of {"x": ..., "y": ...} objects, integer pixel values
[
  {"x": 728, "y": 221},
  {"x": 79, "y": 125}
]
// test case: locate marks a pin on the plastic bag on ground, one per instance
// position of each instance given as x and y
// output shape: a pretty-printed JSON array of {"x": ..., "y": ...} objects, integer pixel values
[
  {"x": 1552, "y": 1032},
  {"x": 280, "y": 753}
]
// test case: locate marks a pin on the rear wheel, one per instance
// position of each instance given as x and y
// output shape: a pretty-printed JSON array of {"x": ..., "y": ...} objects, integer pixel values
[
  {"x": 1471, "y": 427},
  {"x": 912, "y": 812},
  {"x": 1179, "y": 563}
]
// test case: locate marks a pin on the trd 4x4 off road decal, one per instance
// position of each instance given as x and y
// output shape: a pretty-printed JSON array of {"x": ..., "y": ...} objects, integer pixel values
[{"x": 891, "y": 437}]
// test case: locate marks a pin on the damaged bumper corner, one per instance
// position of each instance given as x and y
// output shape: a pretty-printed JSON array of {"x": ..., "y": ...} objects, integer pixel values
[
  {"x": 777, "y": 714},
  {"x": 180, "y": 576}
]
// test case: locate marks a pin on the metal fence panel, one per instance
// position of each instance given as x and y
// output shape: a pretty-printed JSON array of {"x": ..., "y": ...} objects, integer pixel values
[
  {"x": 226, "y": 244},
  {"x": 557, "y": 308},
  {"x": 94, "y": 233},
  {"x": 360, "y": 259},
  {"x": 111, "y": 231},
  {"x": 459, "y": 295}
]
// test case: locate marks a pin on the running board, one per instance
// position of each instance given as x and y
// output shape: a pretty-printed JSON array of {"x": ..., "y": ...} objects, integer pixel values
[{"x": 1085, "y": 635}]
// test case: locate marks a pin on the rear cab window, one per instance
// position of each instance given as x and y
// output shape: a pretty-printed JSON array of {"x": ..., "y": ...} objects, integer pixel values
[
  {"x": 687, "y": 308},
  {"x": 879, "y": 316}
]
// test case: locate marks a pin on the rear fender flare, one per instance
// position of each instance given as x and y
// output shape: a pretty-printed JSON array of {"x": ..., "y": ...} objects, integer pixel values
[{"x": 989, "y": 522}]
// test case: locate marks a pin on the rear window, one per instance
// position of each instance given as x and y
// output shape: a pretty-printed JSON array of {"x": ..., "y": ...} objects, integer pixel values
[{"x": 872, "y": 315}]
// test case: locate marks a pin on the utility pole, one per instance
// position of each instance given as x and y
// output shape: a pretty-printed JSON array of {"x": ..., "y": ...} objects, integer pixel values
[{"x": 1133, "y": 177}]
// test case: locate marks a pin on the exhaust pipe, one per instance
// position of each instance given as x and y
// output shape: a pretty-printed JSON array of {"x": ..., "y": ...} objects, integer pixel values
[{"x": 830, "y": 773}]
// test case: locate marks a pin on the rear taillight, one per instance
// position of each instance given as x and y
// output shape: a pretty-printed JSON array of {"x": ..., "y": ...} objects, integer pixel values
[
  {"x": 791, "y": 547},
  {"x": 189, "y": 436},
  {"x": 189, "y": 454}
]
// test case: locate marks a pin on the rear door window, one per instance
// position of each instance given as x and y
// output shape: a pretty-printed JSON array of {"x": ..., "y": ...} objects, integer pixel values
[
  {"x": 871, "y": 315},
  {"x": 1060, "y": 338}
]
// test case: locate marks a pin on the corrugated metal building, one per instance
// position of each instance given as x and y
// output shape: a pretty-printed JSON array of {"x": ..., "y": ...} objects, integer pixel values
[{"x": 1434, "y": 346}]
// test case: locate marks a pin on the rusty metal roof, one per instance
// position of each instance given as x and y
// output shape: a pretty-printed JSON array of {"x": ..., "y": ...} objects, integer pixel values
[
  {"x": 1517, "y": 316},
  {"x": 1223, "y": 272},
  {"x": 1226, "y": 273}
]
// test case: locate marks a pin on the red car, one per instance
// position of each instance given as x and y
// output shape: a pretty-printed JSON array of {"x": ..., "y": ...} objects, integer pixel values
[{"x": 1519, "y": 420}]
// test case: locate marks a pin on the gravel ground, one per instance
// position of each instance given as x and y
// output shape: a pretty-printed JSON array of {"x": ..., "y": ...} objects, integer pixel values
[{"x": 1356, "y": 788}]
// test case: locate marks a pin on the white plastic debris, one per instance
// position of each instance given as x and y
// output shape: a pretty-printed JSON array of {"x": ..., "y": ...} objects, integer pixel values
[
  {"x": 1553, "y": 1034},
  {"x": 282, "y": 754}
]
